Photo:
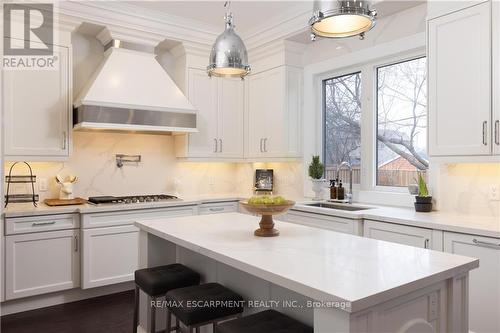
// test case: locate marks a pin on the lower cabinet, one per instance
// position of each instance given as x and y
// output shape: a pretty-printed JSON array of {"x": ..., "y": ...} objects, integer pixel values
[
  {"x": 348, "y": 226},
  {"x": 110, "y": 255},
  {"x": 484, "y": 282},
  {"x": 41, "y": 262},
  {"x": 110, "y": 245},
  {"x": 401, "y": 234},
  {"x": 218, "y": 207}
]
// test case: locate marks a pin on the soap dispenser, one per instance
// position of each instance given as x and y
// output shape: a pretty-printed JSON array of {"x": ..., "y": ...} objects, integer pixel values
[{"x": 340, "y": 191}]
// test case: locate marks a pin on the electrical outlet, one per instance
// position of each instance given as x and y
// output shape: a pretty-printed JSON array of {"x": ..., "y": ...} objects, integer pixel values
[
  {"x": 494, "y": 194},
  {"x": 43, "y": 185}
]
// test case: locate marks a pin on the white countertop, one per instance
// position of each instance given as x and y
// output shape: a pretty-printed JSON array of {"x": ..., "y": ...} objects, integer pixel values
[
  {"x": 321, "y": 264},
  {"x": 468, "y": 224},
  {"x": 27, "y": 209}
]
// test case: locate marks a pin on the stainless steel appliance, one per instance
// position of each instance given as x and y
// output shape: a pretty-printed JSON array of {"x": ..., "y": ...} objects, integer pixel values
[{"x": 132, "y": 199}]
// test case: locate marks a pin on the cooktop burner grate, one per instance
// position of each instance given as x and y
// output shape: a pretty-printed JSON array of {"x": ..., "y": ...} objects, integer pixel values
[{"x": 132, "y": 199}]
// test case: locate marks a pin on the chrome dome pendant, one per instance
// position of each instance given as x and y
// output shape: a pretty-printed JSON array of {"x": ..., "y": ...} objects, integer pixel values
[
  {"x": 340, "y": 19},
  {"x": 228, "y": 57}
]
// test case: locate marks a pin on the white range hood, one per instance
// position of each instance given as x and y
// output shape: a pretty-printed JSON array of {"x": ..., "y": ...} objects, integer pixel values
[{"x": 130, "y": 91}]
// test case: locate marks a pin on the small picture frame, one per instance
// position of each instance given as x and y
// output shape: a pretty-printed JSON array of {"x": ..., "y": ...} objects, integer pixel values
[{"x": 264, "y": 180}]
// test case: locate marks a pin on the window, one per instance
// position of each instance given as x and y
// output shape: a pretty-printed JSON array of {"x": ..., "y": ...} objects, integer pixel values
[
  {"x": 342, "y": 128},
  {"x": 401, "y": 122}
]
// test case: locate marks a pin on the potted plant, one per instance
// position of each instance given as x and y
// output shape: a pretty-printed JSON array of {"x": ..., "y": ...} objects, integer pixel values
[
  {"x": 316, "y": 170},
  {"x": 423, "y": 201}
]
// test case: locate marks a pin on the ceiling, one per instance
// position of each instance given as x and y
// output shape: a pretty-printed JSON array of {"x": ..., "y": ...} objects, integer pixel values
[{"x": 253, "y": 16}]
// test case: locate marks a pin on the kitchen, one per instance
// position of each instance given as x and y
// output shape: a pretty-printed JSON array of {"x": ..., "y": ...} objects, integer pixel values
[{"x": 132, "y": 130}]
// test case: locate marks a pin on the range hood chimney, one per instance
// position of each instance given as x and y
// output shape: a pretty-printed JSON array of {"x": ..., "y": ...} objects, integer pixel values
[{"x": 130, "y": 91}]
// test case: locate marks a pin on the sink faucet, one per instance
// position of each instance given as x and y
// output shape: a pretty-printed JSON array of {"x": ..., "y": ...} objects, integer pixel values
[{"x": 349, "y": 166}]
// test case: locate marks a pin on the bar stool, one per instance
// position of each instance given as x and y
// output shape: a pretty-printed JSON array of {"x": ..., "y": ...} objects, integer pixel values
[
  {"x": 263, "y": 322},
  {"x": 156, "y": 282},
  {"x": 205, "y": 304}
]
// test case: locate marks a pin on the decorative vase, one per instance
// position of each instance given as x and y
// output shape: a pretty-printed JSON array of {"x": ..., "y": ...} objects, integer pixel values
[
  {"x": 423, "y": 204},
  {"x": 318, "y": 185}
]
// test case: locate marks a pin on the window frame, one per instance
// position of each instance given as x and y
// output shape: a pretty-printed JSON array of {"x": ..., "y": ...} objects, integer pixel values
[
  {"x": 323, "y": 114},
  {"x": 367, "y": 190},
  {"x": 376, "y": 99}
]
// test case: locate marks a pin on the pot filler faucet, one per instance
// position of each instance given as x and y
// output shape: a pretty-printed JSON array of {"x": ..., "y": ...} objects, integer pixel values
[{"x": 349, "y": 166}]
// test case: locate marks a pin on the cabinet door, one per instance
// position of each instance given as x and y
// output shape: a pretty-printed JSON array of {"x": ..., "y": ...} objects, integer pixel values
[
  {"x": 37, "y": 106},
  {"x": 459, "y": 64},
  {"x": 261, "y": 101},
  {"x": 40, "y": 263},
  {"x": 230, "y": 127},
  {"x": 203, "y": 95},
  {"x": 110, "y": 255},
  {"x": 484, "y": 282},
  {"x": 496, "y": 77},
  {"x": 401, "y": 234}
]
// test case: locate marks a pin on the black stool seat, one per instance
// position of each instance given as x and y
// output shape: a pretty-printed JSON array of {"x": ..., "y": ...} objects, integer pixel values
[
  {"x": 159, "y": 280},
  {"x": 264, "y": 322},
  {"x": 203, "y": 303}
]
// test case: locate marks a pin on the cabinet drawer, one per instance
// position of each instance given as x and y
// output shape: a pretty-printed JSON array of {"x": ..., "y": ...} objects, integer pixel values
[
  {"x": 218, "y": 207},
  {"x": 401, "y": 234},
  {"x": 21, "y": 225},
  {"x": 108, "y": 219},
  {"x": 327, "y": 222}
]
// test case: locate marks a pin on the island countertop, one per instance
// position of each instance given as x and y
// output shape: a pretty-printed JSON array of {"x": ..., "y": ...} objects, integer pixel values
[{"x": 321, "y": 264}]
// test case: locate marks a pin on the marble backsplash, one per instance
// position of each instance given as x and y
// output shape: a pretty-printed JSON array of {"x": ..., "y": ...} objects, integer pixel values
[{"x": 93, "y": 162}]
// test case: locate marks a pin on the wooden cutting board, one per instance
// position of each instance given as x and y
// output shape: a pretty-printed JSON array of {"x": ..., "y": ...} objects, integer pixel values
[{"x": 65, "y": 202}]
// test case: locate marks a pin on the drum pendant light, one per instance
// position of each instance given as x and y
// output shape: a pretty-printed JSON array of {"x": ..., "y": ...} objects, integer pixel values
[
  {"x": 339, "y": 19},
  {"x": 228, "y": 57}
]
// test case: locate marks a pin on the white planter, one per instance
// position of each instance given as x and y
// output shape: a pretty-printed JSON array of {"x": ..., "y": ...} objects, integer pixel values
[{"x": 318, "y": 185}]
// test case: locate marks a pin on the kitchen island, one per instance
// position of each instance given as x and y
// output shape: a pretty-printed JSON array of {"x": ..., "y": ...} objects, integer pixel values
[{"x": 332, "y": 281}]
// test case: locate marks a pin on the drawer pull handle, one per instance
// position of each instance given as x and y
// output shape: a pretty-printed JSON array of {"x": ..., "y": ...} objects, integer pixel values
[
  {"x": 426, "y": 244},
  {"x": 217, "y": 209},
  {"x": 485, "y": 133},
  {"x": 497, "y": 132},
  {"x": 76, "y": 243},
  {"x": 486, "y": 244},
  {"x": 38, "y": 224}
]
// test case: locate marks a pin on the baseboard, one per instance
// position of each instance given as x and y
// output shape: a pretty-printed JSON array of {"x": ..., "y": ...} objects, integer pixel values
[{"x": 67, "y": 296}]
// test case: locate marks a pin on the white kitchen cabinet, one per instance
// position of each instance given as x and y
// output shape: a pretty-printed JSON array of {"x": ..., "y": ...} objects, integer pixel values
[
  {"x": 37, "y": 107},
  {"x": 110, "y": 255},
  {"x": 328, "y": 222},
  {"x": 220, "y": 104},
  {"x": 496, "y": 77},
  {"x": 110, "y": 243},
  {"x": 402, "y": 234},
  {"x": 459, "y": 82},
  {"x": 42, "y": 262},
  {"x": 484, "y": 282},
  {"x": 273, "y": 113}
]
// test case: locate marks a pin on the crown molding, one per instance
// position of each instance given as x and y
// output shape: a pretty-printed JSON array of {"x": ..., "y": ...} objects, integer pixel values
[{"x": 135, "y": 25}]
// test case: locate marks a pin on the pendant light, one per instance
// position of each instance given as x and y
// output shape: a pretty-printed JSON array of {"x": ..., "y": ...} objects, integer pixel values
[
  {"x": 339, "y": 19},
  {"x": 228, "y": 57}
]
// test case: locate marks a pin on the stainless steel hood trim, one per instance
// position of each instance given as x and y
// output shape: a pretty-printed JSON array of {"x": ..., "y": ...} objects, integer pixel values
[{"x": 126, "y": 119}]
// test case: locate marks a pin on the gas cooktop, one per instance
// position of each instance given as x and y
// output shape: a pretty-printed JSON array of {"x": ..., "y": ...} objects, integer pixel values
[{"x": 132, "y": 199}]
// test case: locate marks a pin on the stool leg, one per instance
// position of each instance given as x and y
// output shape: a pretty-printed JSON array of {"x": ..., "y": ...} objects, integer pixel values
[
  {"x": 177, "y": 326},
  {"x": 136, "y": 309},
  {"x": 214, "y": 327},
  {"x": 153, "y": 316},
  {"x": 198, "y": 329},
  {"x": 169, "y": 321}
]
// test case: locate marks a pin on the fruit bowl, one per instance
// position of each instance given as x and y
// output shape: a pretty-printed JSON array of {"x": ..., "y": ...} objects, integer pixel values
[{"x": 267, "y": 211}]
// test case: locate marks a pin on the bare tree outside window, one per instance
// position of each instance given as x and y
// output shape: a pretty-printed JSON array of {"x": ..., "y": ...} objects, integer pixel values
[
  {"x": 401, "y": 122},
  {"x": 342, "y": 129}
]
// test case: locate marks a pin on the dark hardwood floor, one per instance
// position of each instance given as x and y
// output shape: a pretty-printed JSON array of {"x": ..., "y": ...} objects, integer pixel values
[{"x": 110, "y": 314}]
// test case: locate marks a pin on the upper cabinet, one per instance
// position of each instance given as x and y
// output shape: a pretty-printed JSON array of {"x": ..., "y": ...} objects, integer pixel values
[
  {"x": 496, "y": 77},
  {"x": 273, "y": 113},
  {"x": 37, "y": 107},
  {"x": 460, "y": 87},
  {"x": 219, "y": 102}
]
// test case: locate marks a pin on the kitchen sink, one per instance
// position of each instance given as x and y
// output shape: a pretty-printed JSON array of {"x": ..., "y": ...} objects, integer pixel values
[{"x": 337, "y": 206}]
